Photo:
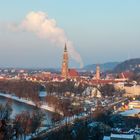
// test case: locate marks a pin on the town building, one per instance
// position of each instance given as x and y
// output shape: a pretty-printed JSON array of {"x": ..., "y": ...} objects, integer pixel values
[
  {"x": 73, "y": 73},
  {"x": 64, "y": 70},
  {"x": 119, "y": 137},
  {"x": 134, "y": 104},
  {"x": 97, "y": 72}
]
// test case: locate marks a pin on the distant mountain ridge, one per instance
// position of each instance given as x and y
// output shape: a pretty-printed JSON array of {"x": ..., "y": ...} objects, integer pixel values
[
  {"x": 104, "y": 66},
  {"x": 131, "y": 64}
]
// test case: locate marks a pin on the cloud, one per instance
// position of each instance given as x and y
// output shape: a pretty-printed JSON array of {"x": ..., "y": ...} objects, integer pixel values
[{"x": 46, "y": 28}]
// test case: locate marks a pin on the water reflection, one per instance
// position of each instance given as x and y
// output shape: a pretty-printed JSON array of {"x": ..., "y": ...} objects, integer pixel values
[{"x": 20, "y": 107}]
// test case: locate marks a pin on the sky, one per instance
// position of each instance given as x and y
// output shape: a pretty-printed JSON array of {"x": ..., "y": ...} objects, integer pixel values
[{"x": 33, "y": 33}]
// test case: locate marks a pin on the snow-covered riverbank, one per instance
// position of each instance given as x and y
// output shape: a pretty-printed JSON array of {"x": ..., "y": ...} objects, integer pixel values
[{"x": 27, "y": 101}]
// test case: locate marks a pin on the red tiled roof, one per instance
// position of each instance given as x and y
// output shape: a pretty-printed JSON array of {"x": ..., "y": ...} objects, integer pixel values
[
  {"x": 102, "y": 81},
  {"x": 125, "y": 75},
  {"x": 73, "y": 73}
]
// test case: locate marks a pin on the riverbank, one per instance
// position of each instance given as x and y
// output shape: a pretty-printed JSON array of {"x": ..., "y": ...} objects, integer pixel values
[{"x": 29, "y": 102}]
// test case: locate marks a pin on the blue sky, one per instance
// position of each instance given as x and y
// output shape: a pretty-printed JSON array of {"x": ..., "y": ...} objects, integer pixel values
[{"x": 101, "y": 31}]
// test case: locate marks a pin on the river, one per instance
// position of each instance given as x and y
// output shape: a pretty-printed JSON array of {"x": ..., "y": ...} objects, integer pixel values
[{"x": 20, "y": 107}]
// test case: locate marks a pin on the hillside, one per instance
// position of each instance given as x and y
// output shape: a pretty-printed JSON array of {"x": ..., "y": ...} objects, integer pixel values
[
  {"x": 104, "y": 67},
  {"x": 131, "y": 64}
]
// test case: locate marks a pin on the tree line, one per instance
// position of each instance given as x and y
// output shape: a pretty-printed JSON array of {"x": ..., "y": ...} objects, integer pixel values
[
  {"x": 67, "y": 86},
  {"x": 21, "y": 88},
  {"x": 63, "y": 105}
]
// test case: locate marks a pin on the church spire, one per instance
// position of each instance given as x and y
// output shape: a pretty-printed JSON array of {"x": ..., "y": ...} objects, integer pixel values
[
  {"x": 65, "y": 49},
  {"x": 64, "y": 71}
]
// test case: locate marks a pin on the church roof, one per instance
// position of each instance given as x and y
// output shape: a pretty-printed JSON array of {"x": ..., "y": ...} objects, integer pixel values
[{"x": 73, "y": 73}]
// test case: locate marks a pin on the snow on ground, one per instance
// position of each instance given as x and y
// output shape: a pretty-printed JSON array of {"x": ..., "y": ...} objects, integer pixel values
[
  {"x": 27, "y": 101},
  {"x": 122, "y": 136},
  {"x": 42, "y": 94},
  {"x": 131, "y": 112},
  {"x": 45, "y": 107},
  {"x": 106, "y": 138}
]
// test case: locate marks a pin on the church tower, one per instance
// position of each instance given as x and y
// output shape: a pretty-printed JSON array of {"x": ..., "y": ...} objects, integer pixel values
[
  {"x": 64, "y": 71},
  {"x": 97, "y": 72}
]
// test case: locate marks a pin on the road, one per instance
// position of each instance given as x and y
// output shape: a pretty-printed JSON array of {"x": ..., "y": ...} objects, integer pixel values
[{"x": 70, "y": 121}]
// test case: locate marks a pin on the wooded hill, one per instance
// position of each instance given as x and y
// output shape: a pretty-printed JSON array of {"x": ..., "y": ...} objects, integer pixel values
[{"x": 131, "y": 64}]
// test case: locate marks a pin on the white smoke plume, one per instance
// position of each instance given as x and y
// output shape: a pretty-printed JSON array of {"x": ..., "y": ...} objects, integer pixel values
[{"x": 40, "y": 24}]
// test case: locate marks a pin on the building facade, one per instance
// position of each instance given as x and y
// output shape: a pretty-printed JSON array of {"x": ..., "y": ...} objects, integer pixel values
[
  {"x": 97, "y": 72},
  {"x": 65, "y": 69}
]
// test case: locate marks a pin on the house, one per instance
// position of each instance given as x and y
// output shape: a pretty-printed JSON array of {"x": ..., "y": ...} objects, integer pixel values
[
  {"x": 122, "y": 137},
  {"x": 119, "y": 137},
  {"x": 134, "y": 104},
  {"x": 125, "y": 75}
]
